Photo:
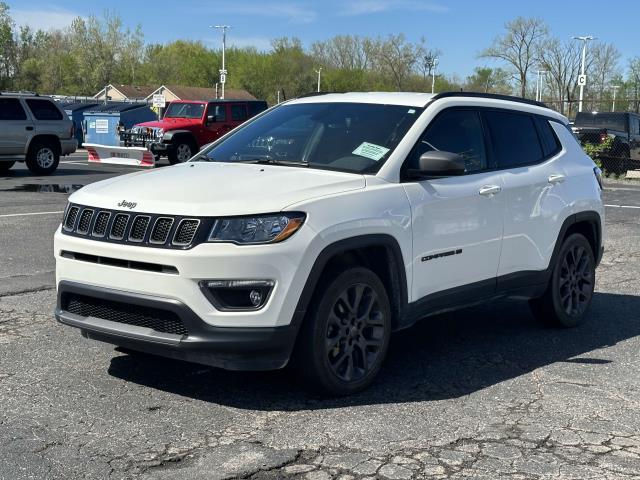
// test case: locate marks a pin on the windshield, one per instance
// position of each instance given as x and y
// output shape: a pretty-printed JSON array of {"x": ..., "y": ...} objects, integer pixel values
[
  {"x": 614, "y": 121},
  {"x": 185, "y": 110},
  {"x": 351, "y": 137}
]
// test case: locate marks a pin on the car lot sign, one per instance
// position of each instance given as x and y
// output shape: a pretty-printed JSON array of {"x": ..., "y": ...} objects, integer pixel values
[
  {"x": 582, "y": 80},
  {"x": 158, "y": 100}
]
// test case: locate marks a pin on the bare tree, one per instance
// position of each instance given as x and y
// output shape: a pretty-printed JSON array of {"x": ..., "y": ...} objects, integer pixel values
[
  {"x": 604, "y": 65},
  {"x": 562, "y": 61},
  {"x": 396, "y": 57},
  {"x": 519, "y": 46}
]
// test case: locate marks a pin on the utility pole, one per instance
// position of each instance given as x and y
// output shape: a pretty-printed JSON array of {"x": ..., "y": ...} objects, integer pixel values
[
  {"x": 319, "y": 71},
  {"x": 541, "y": 75},
  {"x": 582, "y": 79},
  {"x": 223, "y": 71},
  {"x": 433, "y": 75},
  {"x": 615, "y": 90}
]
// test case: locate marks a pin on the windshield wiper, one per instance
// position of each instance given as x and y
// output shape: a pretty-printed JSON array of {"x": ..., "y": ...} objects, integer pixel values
[{"x": 273, "y": 161}]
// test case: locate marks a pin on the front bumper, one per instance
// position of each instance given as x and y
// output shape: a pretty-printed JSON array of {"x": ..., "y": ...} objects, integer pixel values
[
  {"x": 68, "y": 146},
  {"x": 233, "y": 348}
]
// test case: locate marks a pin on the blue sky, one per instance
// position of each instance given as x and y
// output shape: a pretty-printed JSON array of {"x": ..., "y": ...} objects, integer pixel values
[{"x": 459, "y": 28}]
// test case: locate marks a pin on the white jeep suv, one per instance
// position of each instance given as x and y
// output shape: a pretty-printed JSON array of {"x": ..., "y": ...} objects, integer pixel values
[{"x": 319, "y": 227}]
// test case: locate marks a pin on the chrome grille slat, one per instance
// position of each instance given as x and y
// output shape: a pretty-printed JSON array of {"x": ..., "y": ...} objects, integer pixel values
[
  {"x": 85, "y": 221},
  {"x": 161, "y": 229},
  {"x": 101, "y": 224},
  {"x": 119, "y": 226},
  {"x": 72, "y": 215},
  {"x": 186, "y": 230},
  {"x": 139, "y": 228}
]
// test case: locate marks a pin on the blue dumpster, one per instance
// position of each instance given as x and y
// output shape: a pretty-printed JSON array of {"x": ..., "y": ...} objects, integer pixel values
[
  {"x": 101, "y": 122},
  {"x": 75, "y": 112}
]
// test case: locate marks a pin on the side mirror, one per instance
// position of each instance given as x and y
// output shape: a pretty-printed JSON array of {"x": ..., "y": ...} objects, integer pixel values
[
  {"x": 437, "y": 164},
  {"x": 211, "y": 118}
]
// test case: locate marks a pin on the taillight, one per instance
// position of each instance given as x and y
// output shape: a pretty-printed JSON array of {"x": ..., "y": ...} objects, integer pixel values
[
  {"x": 72, "y": 130},
  {"x": 603, "y": 137},
  {"x": 598, "y": 173}
]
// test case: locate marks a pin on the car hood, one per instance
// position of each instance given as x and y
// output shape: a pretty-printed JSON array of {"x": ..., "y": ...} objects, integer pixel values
[
  {"x": 170, "y": 123},
  {"x": 211, "y": 189}
]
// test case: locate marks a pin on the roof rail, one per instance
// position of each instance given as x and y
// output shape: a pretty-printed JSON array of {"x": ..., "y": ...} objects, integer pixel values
[
  {"x": 20, "y": 92},
  {"x": 494, "y": 96}
]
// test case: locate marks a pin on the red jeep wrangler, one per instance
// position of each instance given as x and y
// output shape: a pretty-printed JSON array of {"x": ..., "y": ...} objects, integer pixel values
[{"x": 187, "y": 126}]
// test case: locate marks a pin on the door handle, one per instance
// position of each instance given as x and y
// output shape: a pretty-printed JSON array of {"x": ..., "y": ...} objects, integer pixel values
[
  {"x": 28, "y": 128},
  {"x": 489, "y": 190},
  {"x": 556, "y": 178}
]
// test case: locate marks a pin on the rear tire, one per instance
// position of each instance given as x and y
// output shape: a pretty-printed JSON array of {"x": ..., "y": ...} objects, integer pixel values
[
  {"x": 566, "y": 301},
  {"x": 43, "y": 158},
  {"x": 182, "y": 152},
  {"x": 5, "y": 166},
  {"x": 345, "y": 336}
]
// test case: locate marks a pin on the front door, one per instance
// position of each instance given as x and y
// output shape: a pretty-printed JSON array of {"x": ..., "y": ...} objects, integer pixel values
[{"x": 457, "y": 221}]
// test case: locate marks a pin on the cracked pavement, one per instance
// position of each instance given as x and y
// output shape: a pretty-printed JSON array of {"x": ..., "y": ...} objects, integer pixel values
[{"x": 483, "y": 393}]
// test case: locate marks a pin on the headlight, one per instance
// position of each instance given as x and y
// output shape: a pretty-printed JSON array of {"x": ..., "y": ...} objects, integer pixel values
[
  {"x": 159, "y": 133},
  {"x": 256, "y": 229}
]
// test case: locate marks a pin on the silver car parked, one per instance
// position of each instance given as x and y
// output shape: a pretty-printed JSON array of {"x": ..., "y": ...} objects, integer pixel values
[{"x": 35, "y": 130}]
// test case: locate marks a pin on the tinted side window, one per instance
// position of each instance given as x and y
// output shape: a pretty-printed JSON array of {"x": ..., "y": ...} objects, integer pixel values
[
  {"x": 635, "y": 125},
  {"x": 456, "y": 131},
  {"x": 220, "y": 111},
  {"x": 238, "y": 113},
  {"x": 44, "y": 110},
  {"x": 514, "y": 138},
  {"x": 550, "y": 143},
  {"x": 10, "y": 109},
  {"x": 256, "y": 107}
]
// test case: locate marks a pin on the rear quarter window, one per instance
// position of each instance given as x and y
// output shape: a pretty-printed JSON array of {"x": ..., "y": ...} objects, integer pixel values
[
  {"x": 550, "y": 143},
  {"x": 514, "y": 138},
  {"x": 44, "y": 110}
]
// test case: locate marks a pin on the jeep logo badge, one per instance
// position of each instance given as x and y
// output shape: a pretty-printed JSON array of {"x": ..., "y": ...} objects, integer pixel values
[{"x": 129, "y": 205}]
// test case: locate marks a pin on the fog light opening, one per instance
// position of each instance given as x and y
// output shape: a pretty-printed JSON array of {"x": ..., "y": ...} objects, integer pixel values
[{"x": 238, "y": 295}]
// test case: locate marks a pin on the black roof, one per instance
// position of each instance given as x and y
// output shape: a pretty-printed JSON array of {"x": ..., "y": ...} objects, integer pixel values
[
  {"x": 115, "y": 107},
  {"x": 494, "y": 96},
  {"x": 226, "y": 100}
]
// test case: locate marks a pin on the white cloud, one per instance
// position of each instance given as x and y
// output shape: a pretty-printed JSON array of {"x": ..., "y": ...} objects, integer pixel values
[
  {"x": 290, "y": 11},
  {"x": 363, "y": 7},
  {"x": 43, "y": 19}
]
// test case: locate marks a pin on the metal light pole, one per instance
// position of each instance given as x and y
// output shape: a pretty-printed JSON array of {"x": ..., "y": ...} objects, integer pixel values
[
  {"x": 541, "y": 74},
  {"x": 223, "y": 71},
  {"x": 319, "y": 71},
  {"x": 582, "y": 81},
  {"x": 433, "y": 75},
  {"x": 615, "y": 91}
]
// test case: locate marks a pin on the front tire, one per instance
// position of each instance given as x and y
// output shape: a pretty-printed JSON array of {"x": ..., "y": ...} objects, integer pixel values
[
  {"x": 43, "y": 158},
  {"x": 345, "y": 337},
  {"x": 568, "y": 296},
  {"x": 182, "y": 152}
]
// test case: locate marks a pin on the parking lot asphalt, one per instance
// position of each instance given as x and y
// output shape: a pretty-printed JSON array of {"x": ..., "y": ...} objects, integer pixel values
[{"x": 482, "y": 393}]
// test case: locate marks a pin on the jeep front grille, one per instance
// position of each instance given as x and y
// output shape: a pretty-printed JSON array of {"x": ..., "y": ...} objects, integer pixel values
[{"x": 147, "y": 230}]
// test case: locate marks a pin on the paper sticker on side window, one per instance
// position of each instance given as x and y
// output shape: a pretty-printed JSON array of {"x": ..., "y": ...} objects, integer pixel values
[{"x": 370, "y": 150}]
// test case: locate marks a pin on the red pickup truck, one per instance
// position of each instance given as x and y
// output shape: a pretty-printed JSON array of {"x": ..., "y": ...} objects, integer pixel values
[{"x": 187, "y": 126}]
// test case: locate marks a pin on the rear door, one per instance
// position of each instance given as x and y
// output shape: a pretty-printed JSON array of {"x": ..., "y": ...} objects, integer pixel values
[
  {"x": 239, "y": 114},
  {"x": 529, "y": 155},
  {"x": 220, "y": 125},
  {"x": 16, "y": 127}
]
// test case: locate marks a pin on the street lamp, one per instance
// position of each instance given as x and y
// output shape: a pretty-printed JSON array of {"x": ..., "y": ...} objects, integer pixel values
[
  {"x": 541, "y": 75},
  {"x": 582, "y": 80},
  {"x": 615, "y": 91},
  {"x": 319, "y": 71},
  {"x": 433, "y": 75},
  {"x": 223, "y": 71}
]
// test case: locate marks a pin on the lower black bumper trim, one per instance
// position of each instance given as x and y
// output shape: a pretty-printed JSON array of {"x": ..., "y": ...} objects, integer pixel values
[{"x": 232, "y": 348}]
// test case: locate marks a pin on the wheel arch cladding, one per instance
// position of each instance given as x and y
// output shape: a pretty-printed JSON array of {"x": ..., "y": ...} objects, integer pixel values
[
  {"x": 44, "y": 139},
  {"x": 180, "y": 136},
  {"x": 588, "y": 224},
  {"x": 380, "y": 253}
]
